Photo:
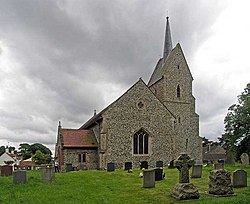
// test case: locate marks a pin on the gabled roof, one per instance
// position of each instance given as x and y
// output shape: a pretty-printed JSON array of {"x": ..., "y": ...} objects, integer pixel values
[
  {"x": 78, "y": 138},
  {"x": 98, "y": 117},
  {"x": 160, "y": 66}
]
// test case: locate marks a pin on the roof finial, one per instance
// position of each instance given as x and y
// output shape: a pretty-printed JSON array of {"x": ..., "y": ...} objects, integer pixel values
[
  {"x": 94, "y": 112},
  {"x": 59, "y": 124},
  {"x": 168, "y": 40}
]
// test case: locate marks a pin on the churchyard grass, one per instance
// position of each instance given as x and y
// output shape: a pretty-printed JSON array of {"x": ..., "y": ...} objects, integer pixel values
[{"x": 109, "y": 187}]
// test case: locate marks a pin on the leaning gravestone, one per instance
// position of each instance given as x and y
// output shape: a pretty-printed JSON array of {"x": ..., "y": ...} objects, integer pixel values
[
  {"x": 149, "y": 178},
  {"x": 220, "y": 183},
  {"x": 48, "y": 174},
  {"x": 244, "y": 159},
  {"x": 184, "y": 190},
  {"x": 239, "y": 179},
  {"x": 196, "y": 171},
  {"x": 6, "y": 170},
  {"x": 110, "y": 166},
  {"x": 159, "y": 164},
  {"x": 128, "y": 165},
  {"x": 19, "y": 176}
]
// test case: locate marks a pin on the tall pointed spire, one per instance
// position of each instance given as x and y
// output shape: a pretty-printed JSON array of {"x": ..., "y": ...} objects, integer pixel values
[{"x": 168, "y": 41}]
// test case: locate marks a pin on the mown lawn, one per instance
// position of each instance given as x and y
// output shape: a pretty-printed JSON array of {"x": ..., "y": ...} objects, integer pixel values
[{"x": 109, "y": 187}]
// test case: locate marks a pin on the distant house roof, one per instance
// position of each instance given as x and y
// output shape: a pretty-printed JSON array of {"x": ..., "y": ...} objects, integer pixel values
[
  {"x": 27, "y": 162},
  {"x": 215, "y": 153},
  {"x": 78, "y": 138}
]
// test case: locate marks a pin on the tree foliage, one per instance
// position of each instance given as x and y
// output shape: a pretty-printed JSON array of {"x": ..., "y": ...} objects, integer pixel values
[
  {"x": 26, "y": 150},
  {"x": 41, "y": 158},
  {"x": 237, "y": 125},
  {"x": 2, "y": 150}
]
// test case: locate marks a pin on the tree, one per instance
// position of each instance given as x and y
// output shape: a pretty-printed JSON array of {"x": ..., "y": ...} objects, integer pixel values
[
  {"x": 41, "y": 158},
  {"x": 2, "y": 150},
  {"x": 237, "y": 125},
  {"x": 24, "y": 151},
  {"x": 42, "y": 148}
]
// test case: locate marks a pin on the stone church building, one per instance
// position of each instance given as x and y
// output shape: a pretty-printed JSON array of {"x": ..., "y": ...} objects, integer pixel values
[{"x": 149, "y": 122}]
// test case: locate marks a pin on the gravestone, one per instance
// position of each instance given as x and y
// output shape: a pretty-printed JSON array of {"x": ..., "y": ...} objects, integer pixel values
[
  {"x": 171, "y": 165},
  {"x": 183, "y": 164},
  {"x": 149, "y": 178},
  {"x": 159, "y": 164},
  {"x": 69, "y": 167},
  {"x": 184, "y": 190},
  {"x": 158, "y": 174},
  {"x": 6, "y": 170},
  {"x": 220, "y": 183},
  {"x": 19, "y": 176},
  {"x": 144, "y": 164},
  {"x": 244, "y": 159},
  {"x": 110, "y": 166},
  {"x": 48, "y": 174},
  {"x": 229, "y": 158},
  {"x": 239, "y": 179},
  {"x": 128, "y": 165},
  {"x": 218, "y": 166},
  {"x": 83, "y": 167},
  {"x": 196, "y": 171}
]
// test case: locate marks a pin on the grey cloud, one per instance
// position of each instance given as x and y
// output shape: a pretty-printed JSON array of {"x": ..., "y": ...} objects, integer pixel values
[{"x": 68, "y": 51}]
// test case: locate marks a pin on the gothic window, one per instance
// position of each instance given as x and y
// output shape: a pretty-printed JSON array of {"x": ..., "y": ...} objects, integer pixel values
[
  {"x": 81, "y": 157},
  {"x": 178, "y": 90},
  {"x": 140, "y": 145}
]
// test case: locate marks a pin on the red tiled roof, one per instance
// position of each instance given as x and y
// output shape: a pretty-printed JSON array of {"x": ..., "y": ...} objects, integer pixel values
[
  {"x": 26, "y": 163},
  {"x": 78, "y": 138}
]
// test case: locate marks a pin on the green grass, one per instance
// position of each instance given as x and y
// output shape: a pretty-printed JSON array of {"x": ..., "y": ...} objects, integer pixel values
[{"x": 109, "y": 187}]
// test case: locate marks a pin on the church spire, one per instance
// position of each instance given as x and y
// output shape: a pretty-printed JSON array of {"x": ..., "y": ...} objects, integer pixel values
[{"x": 168, "y": 41}]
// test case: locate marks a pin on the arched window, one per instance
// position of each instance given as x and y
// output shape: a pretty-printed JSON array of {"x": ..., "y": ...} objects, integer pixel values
[
  {"x": 178, "y": 91},
  {"x": 140, "y": 141}
]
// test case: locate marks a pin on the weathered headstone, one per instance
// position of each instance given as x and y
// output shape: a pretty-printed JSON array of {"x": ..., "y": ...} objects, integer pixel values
[
  {"x": 229, "y": 158},
  {"x": 110, "y": 166},
  {"x": 6, "y": 170},
  {"x": 149, "y": 178},
  {"x": 48, "y": 174},
  {"x": 19, "y": 176},
  {"x": 239, "y": 179},
  {"x": 69, "y": 167},
  {"x": 171, "y": 165},
  {"x": 144, "y": 164},
  {"x": 196, "y": 171},
  {"x": 218, "y": 166},
  {"x": 220, "y": 183},
  {"x": 83, "y": 166},
  {"x": 184, "y": 190},
  {"x": 128, "y": 165},
  {"x": 159, "y": 164},
  {"x": 183, "y": 164},
  {"x": 158, "y": 174},
  {"x": 244, "y": 159}
]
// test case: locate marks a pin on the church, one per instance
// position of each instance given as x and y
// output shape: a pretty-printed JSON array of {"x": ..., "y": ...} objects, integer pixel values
[{"x": 154, "y": 121}]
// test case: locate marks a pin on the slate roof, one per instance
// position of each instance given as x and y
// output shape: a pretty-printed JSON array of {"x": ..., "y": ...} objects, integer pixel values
[
  {"x": 215, "y": 153},
  {"x": 78, "y": 138}
]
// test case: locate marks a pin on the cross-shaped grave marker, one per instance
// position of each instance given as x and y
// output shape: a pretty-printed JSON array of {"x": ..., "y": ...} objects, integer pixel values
[{"x": 183, "y": 164}]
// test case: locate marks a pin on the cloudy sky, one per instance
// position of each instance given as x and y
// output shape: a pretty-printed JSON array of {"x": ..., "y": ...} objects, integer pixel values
[{"x": 60, "y": 60}]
